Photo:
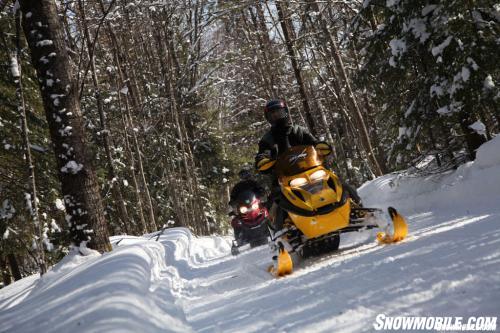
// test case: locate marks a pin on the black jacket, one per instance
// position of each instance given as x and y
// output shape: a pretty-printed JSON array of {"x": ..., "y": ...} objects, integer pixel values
[{"x": 278, "y": 140}]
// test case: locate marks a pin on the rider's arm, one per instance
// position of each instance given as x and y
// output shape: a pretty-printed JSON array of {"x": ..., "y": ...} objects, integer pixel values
[
  {"x": 265, "y": 151},
  {"x": 307, "y": 137}
]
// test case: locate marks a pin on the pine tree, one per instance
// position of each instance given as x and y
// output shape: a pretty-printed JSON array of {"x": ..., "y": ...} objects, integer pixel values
[{"x": 433, "y": 63}]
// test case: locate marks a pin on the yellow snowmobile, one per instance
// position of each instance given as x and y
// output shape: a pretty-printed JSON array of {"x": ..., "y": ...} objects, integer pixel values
[{"x": 318, "y": 208}]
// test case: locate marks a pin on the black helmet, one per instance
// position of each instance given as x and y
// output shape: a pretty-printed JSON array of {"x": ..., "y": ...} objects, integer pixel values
[
  {"x": 245, "y": 174},
  {"x": 276, "y": 112}
]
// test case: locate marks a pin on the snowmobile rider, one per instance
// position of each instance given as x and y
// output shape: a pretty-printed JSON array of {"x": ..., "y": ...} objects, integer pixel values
[
  {"x": 246, "y": 183},
  {"x": 277, "y": 140},
  {"x": 282, "y": 134}
]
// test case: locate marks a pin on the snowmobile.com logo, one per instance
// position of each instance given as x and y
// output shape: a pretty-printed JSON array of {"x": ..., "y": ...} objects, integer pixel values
[{"x": 383, "y": 322}]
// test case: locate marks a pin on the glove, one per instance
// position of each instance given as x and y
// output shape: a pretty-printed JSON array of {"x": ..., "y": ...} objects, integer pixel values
[{"x": 263, "y": 162}]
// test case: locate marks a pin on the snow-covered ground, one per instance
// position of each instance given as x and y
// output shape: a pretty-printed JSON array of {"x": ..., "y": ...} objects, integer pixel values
[{"x": 448, "y": 266}]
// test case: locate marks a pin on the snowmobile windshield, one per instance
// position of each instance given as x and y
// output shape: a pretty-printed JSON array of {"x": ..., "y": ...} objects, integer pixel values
[
  {"x": 296, "y": 160},
  {"x": 246, "y": 198}
]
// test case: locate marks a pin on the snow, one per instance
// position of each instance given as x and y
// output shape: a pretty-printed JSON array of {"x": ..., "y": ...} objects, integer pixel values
[
  {"x": 27, "y": 199},
  {"x": 45, "y": 42},
  {"x": 176, "y": 282},
  {"x": 398, "y": 46},
  {"x": 392, "y": 3},
  {"x": 488, "y": 82},
  {"x": 16, "y": 6},
  {"x": 473, "y": 64},
  {"x": 14, "y": 67},
  {"x": 403, "y": 131},
  {"x": 436, "y": 90},
  {"x": 472, "y": 185},
  {"x": 66, "y": 131},
  {"x": 72, "y": 167},
  {"x": 418, "y": 27},
  {"x": 444, "y": 110},
  {"x": 60, "y": 204},
  {"x": 38, "y": 148},
  {"x": 427, "y": 9},
  {"x": 488, "y": 155},
  {"x": 465, "y": 74},
  {"x": 54, "y": 227},
  {"x": 46, "y": 240},
  {"x": 478, "y": 127},
  {"x": 437, "y": 50},
  {"x": 7, "y": 211}
]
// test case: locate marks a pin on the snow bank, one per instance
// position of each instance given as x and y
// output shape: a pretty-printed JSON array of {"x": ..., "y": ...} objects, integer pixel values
[
  {"x": 117, "y": 291},
  {"x": 474, "y": 186},
  {"x": 131, "y": 289}
]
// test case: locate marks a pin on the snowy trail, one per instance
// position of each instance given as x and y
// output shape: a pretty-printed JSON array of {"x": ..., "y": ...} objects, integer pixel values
[
  {"x": 344, "y": 292},
  {"x": 448, "y": 266}
]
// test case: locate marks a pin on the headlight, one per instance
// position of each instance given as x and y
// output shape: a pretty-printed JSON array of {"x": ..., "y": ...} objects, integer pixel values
[
  {"x": 316, "y": 175},
  {"x": 298, "y": 182},
  {"x": 243, "y": 209},
  {"x": 255, "y": 206}
]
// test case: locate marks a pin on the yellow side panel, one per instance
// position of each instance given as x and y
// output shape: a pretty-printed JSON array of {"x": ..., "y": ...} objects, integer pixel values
[{"x": 320, "y": 225}]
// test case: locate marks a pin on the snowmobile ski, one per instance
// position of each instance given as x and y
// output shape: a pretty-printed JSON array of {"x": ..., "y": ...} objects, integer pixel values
[
  {"x": 400, "y": 229},
  {"x": 283, "y": 263}
]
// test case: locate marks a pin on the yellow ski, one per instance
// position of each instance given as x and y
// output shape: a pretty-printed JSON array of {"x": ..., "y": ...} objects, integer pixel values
[
  {"x": 400, "y": 229},
  {"x": 284, "y": 263}
]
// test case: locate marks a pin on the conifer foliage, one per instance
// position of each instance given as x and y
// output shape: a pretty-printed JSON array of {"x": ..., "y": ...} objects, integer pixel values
[{"x": 436, "y": 68}]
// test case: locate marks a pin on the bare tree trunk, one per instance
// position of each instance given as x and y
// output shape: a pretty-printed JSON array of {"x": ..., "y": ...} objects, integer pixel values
[
  {"x": 288, "y": 35},
  {"x": 105, "y": 132},
  {"x": 14, "y": 266},
  {"x": 265, "y": 45},
  {"x": 180, "y": 136},
  {"x": 336, "y": 104},
  {"x": 370, "y": 119},
  {"x": 6, "y": 277},
  {"x": 62, "y": 107},
  {"x": 473, "y": 140},
  {"x": 262, "y": 67},
  {"x": 149, "y": 202},
  {"x": 355, "y": 110},
  {"x": 130, "y": 155},
  {"x": 133, "y": 94},
  {"x": 172, "y": 187},
  {"x": 38, "y": 234}
]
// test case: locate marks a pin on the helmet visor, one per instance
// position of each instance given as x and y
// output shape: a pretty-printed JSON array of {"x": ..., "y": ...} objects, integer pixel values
[
  {"x": 245, "y": 174},
  {"x": 276, "y": 114}
]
